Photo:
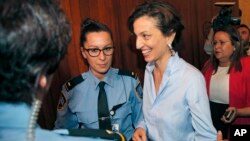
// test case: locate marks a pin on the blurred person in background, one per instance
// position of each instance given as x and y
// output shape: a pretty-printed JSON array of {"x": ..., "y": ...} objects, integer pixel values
[
  {"x": 244, "y": 32},
  {"x": 228, "y": 80}
]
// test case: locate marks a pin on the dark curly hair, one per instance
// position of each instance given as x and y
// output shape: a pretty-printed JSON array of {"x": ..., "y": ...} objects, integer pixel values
[
  {"x": 34, "y": 35},
  {"x": 167, "y": 17}
]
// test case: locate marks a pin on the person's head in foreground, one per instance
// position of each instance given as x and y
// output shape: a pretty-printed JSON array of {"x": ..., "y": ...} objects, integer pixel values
[{"x": 34, "y": 35}]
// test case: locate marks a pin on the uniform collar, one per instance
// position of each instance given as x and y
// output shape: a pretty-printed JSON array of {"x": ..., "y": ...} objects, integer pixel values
[{"x": 108, "y": 78}]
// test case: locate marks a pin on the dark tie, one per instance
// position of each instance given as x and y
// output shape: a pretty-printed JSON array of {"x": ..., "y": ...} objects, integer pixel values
[{"x": 103, "y": 109}]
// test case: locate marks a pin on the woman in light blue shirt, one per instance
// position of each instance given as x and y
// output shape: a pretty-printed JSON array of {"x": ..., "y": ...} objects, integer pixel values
[{"x": 175, "y": 103}]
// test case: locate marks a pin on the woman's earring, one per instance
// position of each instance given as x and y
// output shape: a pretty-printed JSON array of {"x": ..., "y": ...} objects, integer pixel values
[{"x": 171, "y": 49}]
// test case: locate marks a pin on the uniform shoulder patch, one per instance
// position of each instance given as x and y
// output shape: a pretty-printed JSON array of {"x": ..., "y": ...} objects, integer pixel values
[
  {"x": 127, "y": 73},
  {"x": 73, "y": 82},
  {"x": 62, "y": 102}
]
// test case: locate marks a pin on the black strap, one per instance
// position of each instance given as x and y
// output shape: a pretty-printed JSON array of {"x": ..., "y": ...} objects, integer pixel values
[
  {"x": 80, "y": 125},
  {"x": 95, "y": 133},
  {"x": 103, "y": 109},
  {"x": 113, "y": 110}
]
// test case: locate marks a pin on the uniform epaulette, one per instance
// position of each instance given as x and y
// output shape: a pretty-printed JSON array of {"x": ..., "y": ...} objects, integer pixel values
[
  {"x": 127, "y": 73},
  {"x": 73, "y": 82}
]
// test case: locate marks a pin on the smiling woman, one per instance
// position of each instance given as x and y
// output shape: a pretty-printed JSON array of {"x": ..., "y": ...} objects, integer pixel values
[{"x": 172, "y": 87}]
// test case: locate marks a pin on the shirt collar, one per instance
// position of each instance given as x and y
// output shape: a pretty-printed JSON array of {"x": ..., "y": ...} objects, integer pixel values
[
  {"x": 172, "y": 65},
  {"x": 108, "y": 78}
]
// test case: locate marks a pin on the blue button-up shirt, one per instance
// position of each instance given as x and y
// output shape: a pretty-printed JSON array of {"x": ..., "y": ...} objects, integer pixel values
[
  {"x": 80, "y": 108},
  {"x": 180, "y": 110},
  {"x": 14, "y": 124}
]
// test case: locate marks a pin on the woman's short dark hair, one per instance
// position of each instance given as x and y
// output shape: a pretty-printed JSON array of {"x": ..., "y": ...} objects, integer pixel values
[
  {"x": 89, "y": 25},
  {"x": 34, "y": 35},
  {"x": 167, "y": 17}
]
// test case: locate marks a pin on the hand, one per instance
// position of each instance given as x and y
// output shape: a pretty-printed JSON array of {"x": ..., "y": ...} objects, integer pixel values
[
  {"x": 220, "y": 137},
  {"x": 139, "y": 135},
  {"x": 234, "y": 115}
]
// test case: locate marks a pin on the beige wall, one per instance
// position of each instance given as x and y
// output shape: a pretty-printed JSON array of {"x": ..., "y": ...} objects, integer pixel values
[{"x": 245, "y": 8}]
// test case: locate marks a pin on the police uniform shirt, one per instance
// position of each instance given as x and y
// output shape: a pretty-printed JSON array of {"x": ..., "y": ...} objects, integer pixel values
[{"x": 77, "y": 106}]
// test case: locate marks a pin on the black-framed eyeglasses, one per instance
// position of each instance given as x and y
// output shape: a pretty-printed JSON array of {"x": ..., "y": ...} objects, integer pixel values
[{"x": 94, "y": 52}]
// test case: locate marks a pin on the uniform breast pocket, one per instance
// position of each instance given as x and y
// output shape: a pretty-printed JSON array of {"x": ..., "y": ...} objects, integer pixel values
[{"x": 87, "y": 119}]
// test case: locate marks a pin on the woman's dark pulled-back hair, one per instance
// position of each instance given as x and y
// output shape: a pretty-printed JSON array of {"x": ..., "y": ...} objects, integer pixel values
[
  {"x": 167, "y": 17},
  {"x": 89, "y": 25},
  {"x": 34, "y": 35},
  {"x": 235, "y": 41}
]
